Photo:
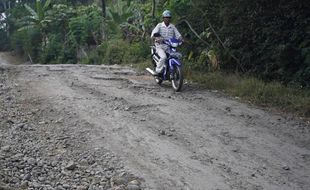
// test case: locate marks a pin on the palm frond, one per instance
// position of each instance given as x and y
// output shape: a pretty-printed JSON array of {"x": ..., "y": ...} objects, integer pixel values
[
  {"x": 31, "y": 11},
  {"x": 47, "y": 4},
  {"x": 24, "y": 28},
  {"x": 39, "y": 9}
]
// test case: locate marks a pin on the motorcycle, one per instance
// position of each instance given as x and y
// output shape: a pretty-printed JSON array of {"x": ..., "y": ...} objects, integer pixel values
[{"x": 172, "y": 69}]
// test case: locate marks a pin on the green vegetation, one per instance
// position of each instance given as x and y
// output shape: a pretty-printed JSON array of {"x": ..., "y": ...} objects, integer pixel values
[
  {"x": 268, "y": 42},
  {"x": 117, "y": 51},
  {"x": 271, "y": 94}
]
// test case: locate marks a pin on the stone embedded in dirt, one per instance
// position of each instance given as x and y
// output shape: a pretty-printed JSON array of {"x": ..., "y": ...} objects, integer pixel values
[
  {"x": 27, "y": 177},
  {"x": 117, "y": 181},
  {"x": 41, "y": 179},
  {"x": 134, "y": 182},
  {"x": 20, "y": 125},
  {"x": 66, "y": 172},
  {"x": 40, "y": 163},
  {"x": 31, "y": 161},
  {"x": 4, "y": 187},
  {"x": 84, "y": 162},
  {"x": 17, "y": 156},
  {"x": 162, "y": 132},
  {"x": 60, "y": 188},
  {"x": 24, "y": 185},
  {"x": 81, "y": 188},
  {"x": 66, "y": 186},
  {"x": 286, "y": 168},
  {"x": 5, "y": 148},
  {"x": 10, "y": 121},
  {"x": 121, "y": 187},
  {"x": 235, "y": 150},
  {"x": 228, "y": 109},
  {"x": 71, "y": 166},
  {"x": 42, "y": 122},
  {"x": 133, "y": 187},
  {"x": 9, "y": 98}
]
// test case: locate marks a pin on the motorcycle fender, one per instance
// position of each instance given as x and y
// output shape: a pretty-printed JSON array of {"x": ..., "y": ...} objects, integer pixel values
[{"x": 174, "y": 62}]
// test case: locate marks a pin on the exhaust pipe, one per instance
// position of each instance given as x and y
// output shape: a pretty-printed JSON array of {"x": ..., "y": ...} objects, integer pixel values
[{"x": 151, "y": 71}]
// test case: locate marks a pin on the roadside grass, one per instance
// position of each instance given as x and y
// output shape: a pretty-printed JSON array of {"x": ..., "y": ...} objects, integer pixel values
[
  {"x": 258, "y": 92},
  {"x": 142, "y": 65},
  {"x": 272, "y": 94}
]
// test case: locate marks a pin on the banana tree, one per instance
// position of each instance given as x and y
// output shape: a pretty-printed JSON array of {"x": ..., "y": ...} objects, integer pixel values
[
  {"x": 37, "y": 19},
  {"x": 117, "y": 14},
  {"x": 125, "y": 17}
]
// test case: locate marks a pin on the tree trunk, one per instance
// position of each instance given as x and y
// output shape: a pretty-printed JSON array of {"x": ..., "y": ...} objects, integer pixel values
[
  {"x": 4, "y": 6},
  {"x": 103, "y": 6},
  {"x": 153, "y": 8},
  {"x": 30, "y": 59}
]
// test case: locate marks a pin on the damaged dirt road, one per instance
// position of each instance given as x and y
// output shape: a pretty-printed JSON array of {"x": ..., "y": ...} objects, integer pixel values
[{"x": 110, "y": 127}]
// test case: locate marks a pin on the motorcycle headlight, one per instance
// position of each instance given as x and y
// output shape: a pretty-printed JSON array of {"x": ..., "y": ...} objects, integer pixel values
[{"x": 174, "y": 45}]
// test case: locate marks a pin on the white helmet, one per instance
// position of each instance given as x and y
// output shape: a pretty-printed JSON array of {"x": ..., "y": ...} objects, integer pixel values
[{"x": 166, "y": 13}]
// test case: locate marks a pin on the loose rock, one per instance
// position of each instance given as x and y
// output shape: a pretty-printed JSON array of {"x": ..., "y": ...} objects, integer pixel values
[{"x": 71, "y": 166}]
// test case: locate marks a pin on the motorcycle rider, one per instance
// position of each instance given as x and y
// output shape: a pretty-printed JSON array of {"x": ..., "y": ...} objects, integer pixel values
[{"x": 166, "y": 30}]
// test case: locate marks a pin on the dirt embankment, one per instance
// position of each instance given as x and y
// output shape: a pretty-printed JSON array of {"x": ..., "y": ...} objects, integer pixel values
[{"x": 109, "y": 127}]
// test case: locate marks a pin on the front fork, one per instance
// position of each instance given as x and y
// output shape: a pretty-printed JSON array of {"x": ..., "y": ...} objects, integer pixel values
[{"x": 171, "y": 63}]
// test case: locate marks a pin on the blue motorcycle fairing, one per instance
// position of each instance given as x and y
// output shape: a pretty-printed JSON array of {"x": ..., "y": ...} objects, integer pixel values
[{"x": 173, "y": 42}]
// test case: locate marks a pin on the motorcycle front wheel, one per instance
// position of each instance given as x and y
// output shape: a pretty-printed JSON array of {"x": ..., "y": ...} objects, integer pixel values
[{"x": 177, "y": 78}]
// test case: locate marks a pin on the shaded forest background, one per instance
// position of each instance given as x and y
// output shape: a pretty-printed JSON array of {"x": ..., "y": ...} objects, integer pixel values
[{"x": 266, "y": 39}]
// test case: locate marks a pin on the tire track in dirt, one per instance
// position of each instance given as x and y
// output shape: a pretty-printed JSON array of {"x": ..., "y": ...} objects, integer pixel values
[{"x": 190, "y": 140}]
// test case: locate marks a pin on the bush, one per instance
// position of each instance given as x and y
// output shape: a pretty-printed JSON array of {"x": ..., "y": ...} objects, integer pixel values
[
  {"x": 4, "y": 41},
  {"x": 122, "y": 52},
  {"x": 53, "y": 50},
  {"x": 85, "y": 28},
  {"x": 269, "y": 38},
  {"x": 27, "y": 42}
]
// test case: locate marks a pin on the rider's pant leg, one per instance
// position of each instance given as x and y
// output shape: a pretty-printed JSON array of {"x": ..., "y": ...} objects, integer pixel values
[{"x": 162, "y": 54}]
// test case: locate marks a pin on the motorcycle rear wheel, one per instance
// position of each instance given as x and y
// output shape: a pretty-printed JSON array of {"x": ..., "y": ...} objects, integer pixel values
[{"x": 177, "y": 78}]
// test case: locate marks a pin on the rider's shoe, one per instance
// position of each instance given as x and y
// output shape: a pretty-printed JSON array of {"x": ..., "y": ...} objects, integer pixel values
[{"x": 157, "y": 74}]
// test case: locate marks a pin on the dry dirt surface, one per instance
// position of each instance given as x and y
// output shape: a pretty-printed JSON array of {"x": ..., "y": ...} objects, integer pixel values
[{"x": 111, "y": 127}]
